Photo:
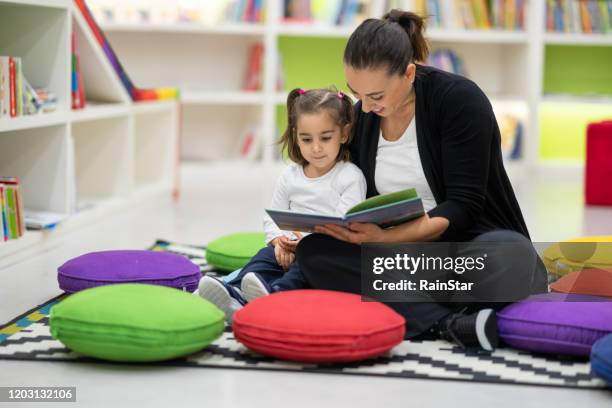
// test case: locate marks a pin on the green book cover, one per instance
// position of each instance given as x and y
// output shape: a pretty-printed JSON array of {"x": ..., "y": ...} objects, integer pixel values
[{"x": 384, "y": 199}]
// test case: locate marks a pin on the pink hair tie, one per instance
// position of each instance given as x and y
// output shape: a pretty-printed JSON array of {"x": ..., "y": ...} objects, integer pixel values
[
  {"x": 340, "y": 95},
  {"x": 301, "y": 91}
]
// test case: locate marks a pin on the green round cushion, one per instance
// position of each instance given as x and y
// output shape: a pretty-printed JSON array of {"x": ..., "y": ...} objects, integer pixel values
[
  {"x": 135, "y": 322},
  {"x": 233, "y": 251},
  {"x": 577, "y": 254}
]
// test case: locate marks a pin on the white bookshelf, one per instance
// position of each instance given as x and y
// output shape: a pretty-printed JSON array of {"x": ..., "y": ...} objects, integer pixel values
[
  {"x": 507, "y": 65},
  {"x": 89, "y": 163}
]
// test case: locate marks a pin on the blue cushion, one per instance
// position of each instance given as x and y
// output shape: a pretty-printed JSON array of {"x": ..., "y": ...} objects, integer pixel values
[{"x": 601, "y": 358}]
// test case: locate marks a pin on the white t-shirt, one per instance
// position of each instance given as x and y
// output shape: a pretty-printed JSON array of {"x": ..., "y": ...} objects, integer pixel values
[
  {"x": 333, "y": 193},
  {"x": 398, "y": 166}
]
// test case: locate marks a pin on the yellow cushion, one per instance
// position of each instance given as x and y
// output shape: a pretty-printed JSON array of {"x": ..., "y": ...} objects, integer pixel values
[{"x": 579, "y": 253}]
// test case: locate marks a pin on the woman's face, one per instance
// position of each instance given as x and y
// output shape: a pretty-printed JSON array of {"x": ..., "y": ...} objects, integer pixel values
[{"x": 379, "y": 92}]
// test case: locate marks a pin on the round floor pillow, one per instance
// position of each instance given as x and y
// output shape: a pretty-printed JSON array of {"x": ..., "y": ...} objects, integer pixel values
[
  {"x": 135, "y": 322},
  {"x": 573, "y": 255},
  {"x": 601, "y": 359},
  {"x": 233, "y": 251},
  {"x": 128, "y": 266},
  {"x": 594, "y": 282},
  {"x": 556, "y": 323},
  {"x": 318, "y": 326}
]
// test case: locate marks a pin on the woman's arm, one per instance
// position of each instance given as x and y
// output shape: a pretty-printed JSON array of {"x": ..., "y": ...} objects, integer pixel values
[{"x": 424, "y": 228}]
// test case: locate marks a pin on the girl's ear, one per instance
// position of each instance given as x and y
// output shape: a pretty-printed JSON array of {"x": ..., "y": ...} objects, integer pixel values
[{"x": 345, "y": 133}]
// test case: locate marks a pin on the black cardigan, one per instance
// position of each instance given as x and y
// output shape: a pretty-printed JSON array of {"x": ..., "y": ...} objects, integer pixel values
[{"x": 460, "y": 150}]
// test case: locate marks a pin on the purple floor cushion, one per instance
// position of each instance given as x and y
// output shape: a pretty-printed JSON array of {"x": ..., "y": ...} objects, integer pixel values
[
  {"x": 556, "y": 323},
  {"x": 601, "y": 359},
  {"x": 128, "y": 266}
]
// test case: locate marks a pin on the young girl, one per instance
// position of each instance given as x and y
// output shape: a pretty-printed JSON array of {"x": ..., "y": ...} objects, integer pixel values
[{"x": 321, "y": 179}]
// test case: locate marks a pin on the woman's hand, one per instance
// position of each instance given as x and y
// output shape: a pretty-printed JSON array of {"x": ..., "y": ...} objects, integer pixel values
[
  {"x": 357, "y": 233},
  {"x": 422, "y": 229}
]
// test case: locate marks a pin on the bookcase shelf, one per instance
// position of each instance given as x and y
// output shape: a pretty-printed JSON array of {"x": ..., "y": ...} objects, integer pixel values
[
  {"x": 32, "y": 121},
  {"x": 254, "y": 29},
  {"x": 90, "y": 163},
  {"x": 578, "y": 39},
  {"x": 99, "y": 111},
  {"x": 222, "y": 98},
  {"x": 508, "y": 65},
  {"x": 478, "y": 36}
]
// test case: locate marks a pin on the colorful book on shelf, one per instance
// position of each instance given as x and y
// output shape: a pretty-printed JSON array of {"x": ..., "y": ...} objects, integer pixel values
[
  {"x": 17, "y": 96},
  {"x": 385, "y": 210},
  {"x": 137, "y": 94},
  {"x": 12, "y": 207},
  {"x": 38, "y": 220},
  {"x": 5, "y": 92},
  {"x": 252, "y": 79},
  {"x": 3, "y": 221},
  {"x": 77, "y": 87}
]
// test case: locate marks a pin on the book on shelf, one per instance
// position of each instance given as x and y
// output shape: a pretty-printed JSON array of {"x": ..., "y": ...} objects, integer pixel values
[
  {"x": 252, "y": 78},
  {"x": 447, "y": 60},
  {"x": 250, "y": 144},
  {"x": 137, "y": 94},
  {"x": 512, "y": 129},
  {"x": 77, "y": 88},
  {"x": 11, "y": 208},
  {"x": 326, "y": 12},
  {"x": 579, "y": 16},
  {"x": 39, "y": 220},
  {"x": 472, "y": 14},
  {"x": 384, "y": 210},
  {"x": 17, "y": 96},
  {"x": 208, "y": 12}
]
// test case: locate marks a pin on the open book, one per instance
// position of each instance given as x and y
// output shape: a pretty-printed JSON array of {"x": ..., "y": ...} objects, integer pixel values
[{"x": 386, "y": 210}]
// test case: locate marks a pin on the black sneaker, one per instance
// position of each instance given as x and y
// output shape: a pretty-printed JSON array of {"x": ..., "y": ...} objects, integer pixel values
[{"x": 470, "y": 331}]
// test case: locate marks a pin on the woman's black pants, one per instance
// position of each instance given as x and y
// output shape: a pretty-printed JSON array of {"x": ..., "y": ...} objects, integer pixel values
[{"x": 331, "y": 264}]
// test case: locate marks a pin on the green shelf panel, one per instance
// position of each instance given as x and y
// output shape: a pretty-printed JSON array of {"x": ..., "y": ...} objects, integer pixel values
[
  {"x": 563, "y": 128},
  {"x": 578, "y": 70}
]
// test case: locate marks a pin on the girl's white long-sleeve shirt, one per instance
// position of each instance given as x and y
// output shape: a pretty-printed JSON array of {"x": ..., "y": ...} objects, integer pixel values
[{"x": 333, "y": 193}]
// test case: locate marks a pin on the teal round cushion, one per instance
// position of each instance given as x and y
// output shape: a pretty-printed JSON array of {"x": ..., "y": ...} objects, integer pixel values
[
  {"x": 233, "y": 251},
  {"x": 135, "y": 322}
]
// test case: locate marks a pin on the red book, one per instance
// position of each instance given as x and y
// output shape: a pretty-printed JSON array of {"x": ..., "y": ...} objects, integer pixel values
[
  {"x": 81, "y": 85},
  {"x": 13, "y": 87},
  {"x": 252, "y": 79}
]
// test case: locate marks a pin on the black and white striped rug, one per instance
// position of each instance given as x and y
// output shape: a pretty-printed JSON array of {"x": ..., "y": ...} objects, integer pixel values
[{"x": 27, "y": 337}]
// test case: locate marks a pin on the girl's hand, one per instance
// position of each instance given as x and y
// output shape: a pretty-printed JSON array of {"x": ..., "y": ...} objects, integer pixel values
[
  {"x": 288, "y": 244},
  {"x": 283, "y": 257},
  {"x": 357, "y": 233}
]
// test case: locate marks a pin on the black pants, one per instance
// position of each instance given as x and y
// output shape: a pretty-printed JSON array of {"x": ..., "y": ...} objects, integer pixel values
[{"x": 331, "y": 264}]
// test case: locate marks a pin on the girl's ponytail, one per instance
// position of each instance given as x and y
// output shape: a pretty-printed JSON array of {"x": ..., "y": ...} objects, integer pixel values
[{"x": 288, "y": 140}]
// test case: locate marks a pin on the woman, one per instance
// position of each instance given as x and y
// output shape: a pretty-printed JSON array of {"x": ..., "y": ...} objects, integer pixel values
[{"x": 420, "y": 127}]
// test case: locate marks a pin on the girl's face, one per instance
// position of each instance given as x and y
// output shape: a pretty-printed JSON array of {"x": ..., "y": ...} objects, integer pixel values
[
  {"x": 319, "y": 138},
  {"x": 379, "y": 92}
]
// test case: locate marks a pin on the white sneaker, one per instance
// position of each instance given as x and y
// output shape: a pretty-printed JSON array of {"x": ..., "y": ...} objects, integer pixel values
[
  {"x": 254, "y": 286},
  {"x": 226, "y": 297}
]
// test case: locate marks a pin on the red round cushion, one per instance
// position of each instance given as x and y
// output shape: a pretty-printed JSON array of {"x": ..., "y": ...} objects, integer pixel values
[
  {"x": 318, "y": 326},
  {"x": 596, "y": 282}
]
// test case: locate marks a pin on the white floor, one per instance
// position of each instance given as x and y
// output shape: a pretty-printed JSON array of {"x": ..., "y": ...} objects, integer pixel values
[{"x": 207, "y": 209}]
